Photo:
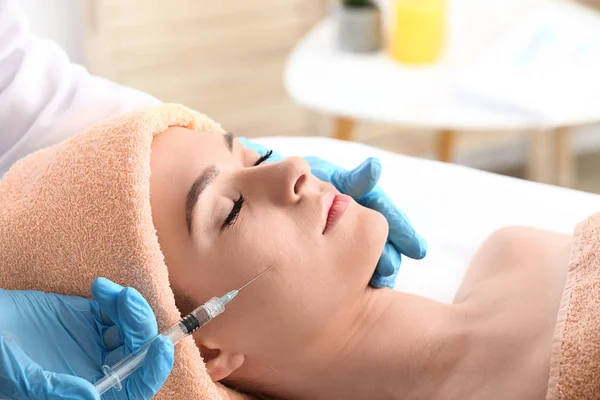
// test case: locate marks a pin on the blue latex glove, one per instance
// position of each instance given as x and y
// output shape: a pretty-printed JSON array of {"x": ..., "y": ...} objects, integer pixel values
[
  {"x": 361, "y": 185},
  {"x": 53, "y": 346}
]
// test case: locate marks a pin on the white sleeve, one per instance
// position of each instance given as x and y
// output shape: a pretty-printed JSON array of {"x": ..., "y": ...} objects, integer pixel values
[{"x": 44, "y": 98}]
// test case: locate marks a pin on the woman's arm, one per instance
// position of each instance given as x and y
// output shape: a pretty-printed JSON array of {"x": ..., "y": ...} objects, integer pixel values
[{"x": 44, "y": 98}]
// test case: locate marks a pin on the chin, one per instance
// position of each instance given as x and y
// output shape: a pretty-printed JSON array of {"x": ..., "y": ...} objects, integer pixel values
[
  {"x": 378, "y": 232},
  {"x": 371, "y": 238}
]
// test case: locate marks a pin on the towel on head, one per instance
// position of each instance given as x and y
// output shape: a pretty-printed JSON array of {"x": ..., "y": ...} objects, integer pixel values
[
  {"x": 81, "y": 209},
  {"x": 575, "y": 360}
]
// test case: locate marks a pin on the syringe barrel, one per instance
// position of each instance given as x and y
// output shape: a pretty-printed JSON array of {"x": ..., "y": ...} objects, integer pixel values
[
  {"x": 211, "y": 309},
  {"x": 120, "y": 371}
]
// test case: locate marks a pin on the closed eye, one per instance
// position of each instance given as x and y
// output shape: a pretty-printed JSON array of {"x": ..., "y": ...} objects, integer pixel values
[
  {"x": 235, "y": 212},
  {"x": 239, "y": 203}
]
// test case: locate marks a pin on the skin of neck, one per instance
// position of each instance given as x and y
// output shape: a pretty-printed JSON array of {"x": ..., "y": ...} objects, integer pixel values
[{"x": 396, "y": 346}]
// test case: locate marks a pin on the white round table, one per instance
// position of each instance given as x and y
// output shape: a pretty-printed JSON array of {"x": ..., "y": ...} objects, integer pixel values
[{"x": 373, "y": 87}]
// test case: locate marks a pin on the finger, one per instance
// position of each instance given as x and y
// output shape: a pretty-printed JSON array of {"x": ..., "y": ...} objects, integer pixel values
[
  {"x": 136, "y": 319},
  {"x": 389, "y": 262},
  {"x": 112, "y": 338},
  {"x": 21, "y": 377},
  {"x": 158, "y": 363},
  {"x": 106, "y": 293},
  {"x": 128, "y": 310},
  {"x": 114, "y": 356},
  {"x": 63, "y": 386},
  {"x": 401, "y": 232},
  {"x": 360, "y": 181},
  {"x": 378, "y": 281},
  {"x": 13, "y": 367}
]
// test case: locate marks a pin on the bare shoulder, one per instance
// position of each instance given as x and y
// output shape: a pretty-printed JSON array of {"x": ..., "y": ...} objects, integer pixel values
[{"x": 524, "y": 251}]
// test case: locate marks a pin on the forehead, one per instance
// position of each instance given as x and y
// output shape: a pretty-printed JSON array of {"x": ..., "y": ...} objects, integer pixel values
[
  {"x": 186, "y": 145},
  {"x": 179, "y": 155},
  {"x": 183, "y": 148}
]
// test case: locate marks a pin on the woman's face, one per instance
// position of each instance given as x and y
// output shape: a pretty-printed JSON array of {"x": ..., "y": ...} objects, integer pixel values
[{"x": 221, "y": 220}]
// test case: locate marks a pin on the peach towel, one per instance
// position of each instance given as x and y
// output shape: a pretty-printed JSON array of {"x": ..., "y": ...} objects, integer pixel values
[
  {"x": 81, "y": 209},
  {"x": 575, "y": 361}
]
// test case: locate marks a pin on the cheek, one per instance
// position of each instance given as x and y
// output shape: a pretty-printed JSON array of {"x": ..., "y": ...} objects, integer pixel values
[
  {"x": 314, "y": 278},
  {"x": 358, "y": 246},
  {"x": 279, "y": 303}
]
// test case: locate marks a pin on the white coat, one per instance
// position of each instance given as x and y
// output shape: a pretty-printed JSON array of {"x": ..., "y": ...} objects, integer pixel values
[{"x": 44, "y": 98}]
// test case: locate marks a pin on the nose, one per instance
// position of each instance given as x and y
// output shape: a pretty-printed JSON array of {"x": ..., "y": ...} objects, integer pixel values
[
  {"x": 294, "y": 176},
  {"x": 284, "y": 181}
]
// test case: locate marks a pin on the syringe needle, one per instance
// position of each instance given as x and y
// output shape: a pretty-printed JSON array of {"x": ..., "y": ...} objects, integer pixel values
[{"x": 261, "y": 274}]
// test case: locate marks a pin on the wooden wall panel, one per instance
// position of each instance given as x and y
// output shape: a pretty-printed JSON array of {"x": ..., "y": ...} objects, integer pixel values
[{"x": 225, "y": 58}]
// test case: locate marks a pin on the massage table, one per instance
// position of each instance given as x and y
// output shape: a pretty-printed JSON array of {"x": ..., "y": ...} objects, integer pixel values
[{"x": 454, "y": 207}]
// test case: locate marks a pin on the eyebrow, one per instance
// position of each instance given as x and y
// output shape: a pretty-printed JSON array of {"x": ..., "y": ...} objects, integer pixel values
[
  {"x": 206, "y": 178},
  {"x": 229, "y": 141}
]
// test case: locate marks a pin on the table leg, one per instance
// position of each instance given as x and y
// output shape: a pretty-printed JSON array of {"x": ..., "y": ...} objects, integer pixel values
[
  {"x": 540, "y": 166},
  {"x": 550, "y": 158},
  {"x": 343, "y": 128},
  {"x": 446, "y": 145},
  {"x": 565, "y": 160}
]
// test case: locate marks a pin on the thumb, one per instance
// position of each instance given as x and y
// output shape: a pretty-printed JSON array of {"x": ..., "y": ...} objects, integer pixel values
[
  {"x": 360, "y": 181},
  {"x": 22, "y": 378}
]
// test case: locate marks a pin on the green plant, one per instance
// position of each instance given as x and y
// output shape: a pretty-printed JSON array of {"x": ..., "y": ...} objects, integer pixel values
[{"x": 358, "y": 3}]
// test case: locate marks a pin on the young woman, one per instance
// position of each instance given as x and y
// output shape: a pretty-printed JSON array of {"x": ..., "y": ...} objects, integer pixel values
[{"x": 312, "y": 328}]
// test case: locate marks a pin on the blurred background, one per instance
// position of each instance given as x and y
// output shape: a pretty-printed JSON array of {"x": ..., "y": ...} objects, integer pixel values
[{"x": 500, "y": 85}]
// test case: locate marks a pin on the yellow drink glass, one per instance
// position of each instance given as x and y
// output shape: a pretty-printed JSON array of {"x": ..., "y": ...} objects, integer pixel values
[{"x": 418, "y": 30}]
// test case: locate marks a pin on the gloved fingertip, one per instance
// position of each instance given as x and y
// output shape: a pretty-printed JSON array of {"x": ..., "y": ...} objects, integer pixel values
[
  {"x": 376, "y": 168},
  {"x": 97, "y": 285},
  {"x": 384, "y": 268},
  {"x": 406, "y": 240},
  {"x": 103, "y": 287},
  {"x": 135, "y": 306},
  {"x": 379, "y": 282},
  {"x": 359, "y": 181},
  {"x": 131, "y": 297},
  {"x": 366, "y": 176},
  {"x": 376, "y": 281},
  {"x": 389, "y": 262},
  {"x": 416, "y": 248},
  {"x": 370, "y": 168},
  {"x": 424, "y": 248}
]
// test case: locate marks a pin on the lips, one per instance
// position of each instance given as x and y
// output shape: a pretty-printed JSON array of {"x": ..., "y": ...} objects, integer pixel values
[{"x": 335, "y": 207}]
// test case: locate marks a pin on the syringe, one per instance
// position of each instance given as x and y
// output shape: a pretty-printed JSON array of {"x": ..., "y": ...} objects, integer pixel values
[{"x": 115, "y": 375}]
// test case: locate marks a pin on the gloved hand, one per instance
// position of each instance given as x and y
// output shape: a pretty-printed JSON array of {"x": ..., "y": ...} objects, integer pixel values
[
  {"x": 53, "y": 346},
  {"x": 361, "y": 185}
]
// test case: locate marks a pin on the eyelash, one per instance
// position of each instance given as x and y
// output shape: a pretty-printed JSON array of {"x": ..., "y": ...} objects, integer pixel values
[
  {"x": 237, "y": 205},
  {"x": 263, "y": 158},
  {"x": 235, "y": 212}
]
